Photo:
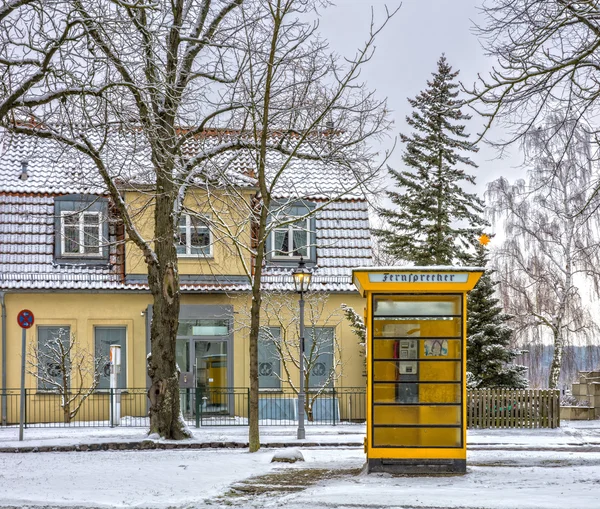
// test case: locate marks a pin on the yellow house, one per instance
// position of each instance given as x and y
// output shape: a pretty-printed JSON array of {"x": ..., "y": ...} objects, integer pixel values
[{"x": 64, "y": 256}]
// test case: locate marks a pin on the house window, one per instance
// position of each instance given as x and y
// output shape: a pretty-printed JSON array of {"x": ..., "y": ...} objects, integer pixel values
[
  {"x": 81, "y": 229},
  {"x": 103, "y": 338},
  {"x": 193, "y": 237},
  {"x": 269, "y": 363},
  {"x": 293, "y": 234},
  {"x": 53, "y": 356},
  {"x": 292, "y": 240},
  {"x": 81, "y": 233},
  {"x": 319, "y": 352}
]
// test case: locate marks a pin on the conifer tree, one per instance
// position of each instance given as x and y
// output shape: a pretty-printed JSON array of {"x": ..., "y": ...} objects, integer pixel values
[
  {"x": 434, "y": 218},
  {"x": 489, "y": 355}
]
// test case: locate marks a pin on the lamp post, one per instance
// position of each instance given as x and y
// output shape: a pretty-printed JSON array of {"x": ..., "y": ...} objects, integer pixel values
[{"x": 302, "y": 277}]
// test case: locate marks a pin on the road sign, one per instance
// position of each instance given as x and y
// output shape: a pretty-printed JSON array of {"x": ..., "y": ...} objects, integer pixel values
[{"x": 25, "y": 319}]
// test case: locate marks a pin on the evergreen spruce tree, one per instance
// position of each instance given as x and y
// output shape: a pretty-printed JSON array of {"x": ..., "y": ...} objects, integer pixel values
[
  {"x": 489, "y": 355},
  {"x": 434, "y": 218}
]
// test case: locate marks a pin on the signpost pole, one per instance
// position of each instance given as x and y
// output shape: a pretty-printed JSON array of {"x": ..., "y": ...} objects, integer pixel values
[
  {"x": 22, "y": 411},
  {"x": 25, "y": 321}
]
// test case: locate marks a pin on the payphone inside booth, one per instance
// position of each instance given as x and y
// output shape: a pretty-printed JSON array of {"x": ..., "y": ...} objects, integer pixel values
[
  {"x": 416, "y": 369},
  {"x": 406, "y": 351}
]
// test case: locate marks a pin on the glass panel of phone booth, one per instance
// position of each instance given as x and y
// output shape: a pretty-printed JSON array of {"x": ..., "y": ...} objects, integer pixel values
[
  {"x": 417, "y": 437},
  {"x": 417, "y": 370},
  {"x": 447, "y": 349},
  {"x": 438, "y": 393},
  {"x": 448, "y": 415},
  {"x": 422, "y": 326}
]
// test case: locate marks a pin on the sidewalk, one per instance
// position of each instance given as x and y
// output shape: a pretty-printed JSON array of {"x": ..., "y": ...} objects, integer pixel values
[{"x": 572, "y": 435}]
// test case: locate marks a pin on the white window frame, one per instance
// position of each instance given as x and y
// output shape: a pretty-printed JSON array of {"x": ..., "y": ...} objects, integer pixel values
[
  {"x": 80, "y": 214},
  {"x": 291, "y": 228},
  {"x": 188, "y": 239}
]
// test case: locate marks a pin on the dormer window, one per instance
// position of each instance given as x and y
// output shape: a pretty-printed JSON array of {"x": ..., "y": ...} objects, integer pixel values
[
  {"x": 81, "y": 233},
  {"x": 293, "y": 234},
  {"x": 193, "y": 237},
  {"x": 292, "y": 241},
  {"x": 81, "y": 229}
]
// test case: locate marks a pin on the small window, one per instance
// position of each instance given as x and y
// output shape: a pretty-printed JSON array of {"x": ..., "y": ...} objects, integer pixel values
[
  {"x": 293, "y": 234},
  {"x": 193, "y": 237},
  {"x": 103, "y": 338},
  {"x": 269, "y": 363},
  {"x": 53, "y": 356},
  {"x": 81, "y": 233},
  {"x": 291, "y": 241},
  {"x": 81, "y": 229}
]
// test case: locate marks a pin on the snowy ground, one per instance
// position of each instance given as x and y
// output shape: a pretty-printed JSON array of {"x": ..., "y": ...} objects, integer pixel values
[{"x": 507, "y": 469}]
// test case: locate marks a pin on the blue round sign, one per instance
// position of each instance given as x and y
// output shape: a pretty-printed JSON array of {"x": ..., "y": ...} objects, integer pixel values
[{"x": 25, "y": 319}]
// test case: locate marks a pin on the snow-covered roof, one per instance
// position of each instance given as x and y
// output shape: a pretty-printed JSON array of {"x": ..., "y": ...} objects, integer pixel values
[
  {"x": 56, "y": 169},
  {"x": 27, "y": 224}
]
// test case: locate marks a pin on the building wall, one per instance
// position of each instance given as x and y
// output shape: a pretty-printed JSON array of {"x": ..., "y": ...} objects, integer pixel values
[
  {"x": 230, "y": 219},
  {"x": 82, "y": 311}
]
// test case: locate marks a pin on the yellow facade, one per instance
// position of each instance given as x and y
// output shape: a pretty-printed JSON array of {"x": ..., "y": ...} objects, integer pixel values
[
  {"x": 228, "y": 219},
  {"x": 416, "y": 369},
  {"x": 82, "y": 312}
]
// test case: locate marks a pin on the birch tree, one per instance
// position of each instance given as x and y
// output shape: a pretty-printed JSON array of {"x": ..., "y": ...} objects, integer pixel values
[{"x": 551, "y": 254}]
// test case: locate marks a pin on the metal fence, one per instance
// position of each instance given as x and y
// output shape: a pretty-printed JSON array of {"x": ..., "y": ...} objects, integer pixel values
[
  {"x": 486, "y": 408},
  {"x": 199, "y": 407}
]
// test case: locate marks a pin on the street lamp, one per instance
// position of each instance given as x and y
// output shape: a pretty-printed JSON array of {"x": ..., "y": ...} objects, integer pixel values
[{"x": 302, "y": 277}]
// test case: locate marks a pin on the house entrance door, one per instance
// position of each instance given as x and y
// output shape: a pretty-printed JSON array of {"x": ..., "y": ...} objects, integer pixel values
[{"x": 211, "y": 370}]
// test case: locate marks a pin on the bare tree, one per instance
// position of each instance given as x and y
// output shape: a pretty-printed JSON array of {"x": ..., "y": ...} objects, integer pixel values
[
  {"x": 308, "y": 107},
  {"x": 32, "y": 36},
  {"x": 129, "y": 75},
  {"x": 552, "y": 249},
  {"x": 62, "y": 366},
  {"x": 140, "y": 86},
  {"x": 280, "y": 328},
  {"x": 548, "y": 60}
]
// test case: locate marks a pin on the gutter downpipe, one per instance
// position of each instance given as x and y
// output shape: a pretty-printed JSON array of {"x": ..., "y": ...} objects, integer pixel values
[{"x": 3, "y": 389}]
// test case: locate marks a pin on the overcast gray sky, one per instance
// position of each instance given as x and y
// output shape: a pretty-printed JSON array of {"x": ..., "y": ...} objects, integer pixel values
[{"x": 407, "y": 52}]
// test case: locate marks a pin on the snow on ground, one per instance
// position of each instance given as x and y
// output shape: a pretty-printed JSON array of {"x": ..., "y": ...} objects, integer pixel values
[
  {"x": 194, "y": 479},
  {"x": 495, "y": 480},
  {"x": 124, "y": 479},
  {"x": 502, "y": 474}
]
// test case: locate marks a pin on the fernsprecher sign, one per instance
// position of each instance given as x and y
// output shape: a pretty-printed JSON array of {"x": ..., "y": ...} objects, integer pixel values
[{"x": 417, "y": 277}]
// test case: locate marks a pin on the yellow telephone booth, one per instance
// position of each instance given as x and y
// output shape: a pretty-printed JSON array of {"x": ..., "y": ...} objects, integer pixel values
[{"x": 416, "y": 367}]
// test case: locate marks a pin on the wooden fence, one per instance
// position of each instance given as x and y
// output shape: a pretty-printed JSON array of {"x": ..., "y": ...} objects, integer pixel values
[{"x": 513, "y": 408}]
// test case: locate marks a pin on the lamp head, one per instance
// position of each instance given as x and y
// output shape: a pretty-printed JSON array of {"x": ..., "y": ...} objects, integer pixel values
[{"x": 302, "y": 277}]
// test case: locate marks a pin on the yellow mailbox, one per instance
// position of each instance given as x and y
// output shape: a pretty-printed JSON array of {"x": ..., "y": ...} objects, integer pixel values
[{"x": 416, "y": 367}]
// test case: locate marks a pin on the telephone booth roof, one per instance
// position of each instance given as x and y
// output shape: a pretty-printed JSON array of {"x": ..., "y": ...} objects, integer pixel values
[{"x": 434, "y": 278}]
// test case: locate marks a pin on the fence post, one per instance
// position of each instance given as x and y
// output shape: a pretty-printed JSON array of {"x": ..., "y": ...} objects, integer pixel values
[
  {"x": 248, "y": 403},
  {"x": 333, "y": 405},
  {"x": 197, "y": 406},
  {"x": 110, "y": 405}
]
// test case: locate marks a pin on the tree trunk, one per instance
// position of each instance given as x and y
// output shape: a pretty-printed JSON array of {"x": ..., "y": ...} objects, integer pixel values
[
  {"x": 163, "y": 280},
  {"x": 253, "y": 430},
  {"x": 67, "y": 413},
  {"x": 556, "y": 360}
]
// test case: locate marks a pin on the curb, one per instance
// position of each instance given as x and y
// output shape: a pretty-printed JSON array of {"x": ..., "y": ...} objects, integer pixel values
[{"x": 149, "y": 445}]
